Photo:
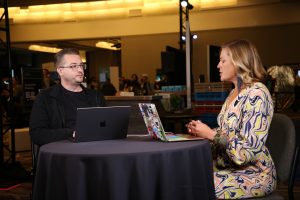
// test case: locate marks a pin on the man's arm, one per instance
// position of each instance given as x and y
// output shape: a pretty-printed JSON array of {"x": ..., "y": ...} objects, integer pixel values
[{"x": 45, "y": 123}]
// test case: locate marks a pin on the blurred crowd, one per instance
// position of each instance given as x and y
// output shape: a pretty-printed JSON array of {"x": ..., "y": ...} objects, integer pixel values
[
  {"x": 139, "y": 86},
  {"x": 11, "y": 106}
]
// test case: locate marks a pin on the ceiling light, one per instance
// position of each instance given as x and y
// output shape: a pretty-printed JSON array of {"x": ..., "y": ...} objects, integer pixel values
[
  {"x": 194, "y": 36},
  {"x": 117, "y": 45},
  {"x": 107, "y": 45},
  {"x": 41, "y": 48}
]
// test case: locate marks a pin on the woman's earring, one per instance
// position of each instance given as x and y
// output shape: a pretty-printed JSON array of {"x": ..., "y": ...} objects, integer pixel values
[{"x": 239, "y": 83}]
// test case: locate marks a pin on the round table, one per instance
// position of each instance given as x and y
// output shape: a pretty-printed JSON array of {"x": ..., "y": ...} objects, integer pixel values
[{"x": 134, "y": 168}]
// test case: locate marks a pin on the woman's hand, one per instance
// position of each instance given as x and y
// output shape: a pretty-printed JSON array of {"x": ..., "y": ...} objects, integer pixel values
[{"x": 199, "y": 129}]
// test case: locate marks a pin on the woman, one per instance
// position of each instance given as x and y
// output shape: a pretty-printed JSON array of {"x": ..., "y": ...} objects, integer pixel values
[{"x": 243, "y": 167}]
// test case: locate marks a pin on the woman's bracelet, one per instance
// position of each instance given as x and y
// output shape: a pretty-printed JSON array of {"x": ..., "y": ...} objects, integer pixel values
[
  {"x": 217, "y": 137},
  {"x": 220, "y": 138}
]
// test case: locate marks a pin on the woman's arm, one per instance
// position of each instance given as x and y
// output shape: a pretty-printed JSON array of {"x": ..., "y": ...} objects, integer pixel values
[{"x": 257, "y": 112}]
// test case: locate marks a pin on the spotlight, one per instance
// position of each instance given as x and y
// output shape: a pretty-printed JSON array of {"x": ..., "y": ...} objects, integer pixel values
[
  {"x": 184, "y": 3},
  {"x": 195, "y": 37},
  {"x": 183, "y": 37}
]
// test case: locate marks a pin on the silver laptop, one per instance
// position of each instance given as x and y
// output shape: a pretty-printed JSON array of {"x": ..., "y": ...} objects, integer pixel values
[
  {"x": 101, "y": 123},
  {"x": 155, "y": 127}
]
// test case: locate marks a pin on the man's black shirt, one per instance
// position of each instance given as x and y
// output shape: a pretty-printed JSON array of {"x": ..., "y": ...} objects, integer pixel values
[{"x": 72, "y": 101}]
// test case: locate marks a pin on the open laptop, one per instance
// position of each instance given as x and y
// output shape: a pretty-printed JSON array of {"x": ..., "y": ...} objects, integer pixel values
[
  {"x": 101, "y": 123},
  {"x": 155, "y": 127}
]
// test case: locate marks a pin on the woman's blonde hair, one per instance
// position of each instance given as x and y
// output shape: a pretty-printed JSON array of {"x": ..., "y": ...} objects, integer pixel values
[{"x": 245, "y": 58}]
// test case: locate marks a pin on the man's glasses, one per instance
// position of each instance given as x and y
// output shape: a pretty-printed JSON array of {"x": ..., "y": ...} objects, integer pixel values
[{"x": 76, "y": 66}]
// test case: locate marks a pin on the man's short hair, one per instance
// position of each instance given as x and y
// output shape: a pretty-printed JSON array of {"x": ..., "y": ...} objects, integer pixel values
[{"x": 58, "y": 58}]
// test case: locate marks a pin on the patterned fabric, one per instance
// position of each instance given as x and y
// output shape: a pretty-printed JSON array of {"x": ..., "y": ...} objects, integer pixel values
[{"x": 243, "y": 166}]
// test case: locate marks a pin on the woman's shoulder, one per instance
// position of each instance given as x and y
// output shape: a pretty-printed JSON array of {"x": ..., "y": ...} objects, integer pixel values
[
  {"x": 259, "y": 86},
  {"x": 258, "y": 89}
]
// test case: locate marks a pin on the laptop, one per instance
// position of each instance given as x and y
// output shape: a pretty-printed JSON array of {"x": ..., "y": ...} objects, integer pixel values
[
  {"x": 155, "y": 127},
  {"x": 101, "y": 123}
]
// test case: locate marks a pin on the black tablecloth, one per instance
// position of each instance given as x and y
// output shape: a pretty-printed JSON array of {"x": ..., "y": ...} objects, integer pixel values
[{"x": 134, "y": 168}]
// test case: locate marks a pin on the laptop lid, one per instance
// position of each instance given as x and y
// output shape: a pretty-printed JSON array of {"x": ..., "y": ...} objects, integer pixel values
[
  {"x": 155, "y": 127},
  {"x": 101, "y": 123},
  {"x": 152, "y": 121}
]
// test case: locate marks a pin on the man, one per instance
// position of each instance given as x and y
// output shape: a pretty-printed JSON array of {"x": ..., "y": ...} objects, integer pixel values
[{"x": 53, "y": 115}]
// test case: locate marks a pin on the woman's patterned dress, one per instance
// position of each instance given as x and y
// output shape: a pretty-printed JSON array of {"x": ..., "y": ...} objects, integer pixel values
[{"x": 243, "y": 166}]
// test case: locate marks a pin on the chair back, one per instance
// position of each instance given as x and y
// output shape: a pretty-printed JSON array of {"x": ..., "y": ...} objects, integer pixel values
[{"x": 281, "y": 143}]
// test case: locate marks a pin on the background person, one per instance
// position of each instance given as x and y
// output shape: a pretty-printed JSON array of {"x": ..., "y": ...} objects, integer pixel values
[
  {"x": 4, "y": 98},
  {"x": 47, "y": 81},
  {"x": 146, "y": 85},
  {"x": 108, "y": 89},
  {"x": 134, "y": 84},
  {"x": 93, "y": 84},
  {"x": 53, "y": 115},
  {"x": 243, "y": 167}
]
